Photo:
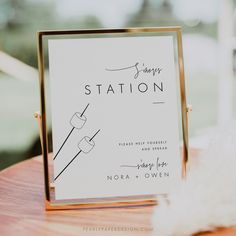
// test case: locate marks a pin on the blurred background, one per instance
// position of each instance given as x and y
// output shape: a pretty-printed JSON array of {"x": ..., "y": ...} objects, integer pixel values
[{"x": 209, "y": 42}]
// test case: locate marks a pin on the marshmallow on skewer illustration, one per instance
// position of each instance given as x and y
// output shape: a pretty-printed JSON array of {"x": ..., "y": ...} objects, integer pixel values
[
  {"x": 85, "y": 145},
  {"x": 77, "y": 121}
]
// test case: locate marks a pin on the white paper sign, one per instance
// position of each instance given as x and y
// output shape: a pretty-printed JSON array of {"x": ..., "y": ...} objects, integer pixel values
[{"x": 114, "y": 116}]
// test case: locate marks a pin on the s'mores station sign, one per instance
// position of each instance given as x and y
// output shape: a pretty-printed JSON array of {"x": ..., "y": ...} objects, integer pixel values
[{"x": 117, "y": 115}]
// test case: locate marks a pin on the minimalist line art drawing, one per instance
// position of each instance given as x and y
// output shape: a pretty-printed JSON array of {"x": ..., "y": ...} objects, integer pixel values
[
  {"x": 77, "y": 121},
  {"x": 85, "y": 145}
]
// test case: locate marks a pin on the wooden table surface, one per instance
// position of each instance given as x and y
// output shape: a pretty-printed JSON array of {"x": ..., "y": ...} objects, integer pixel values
[{"x": 22, "y": 210}]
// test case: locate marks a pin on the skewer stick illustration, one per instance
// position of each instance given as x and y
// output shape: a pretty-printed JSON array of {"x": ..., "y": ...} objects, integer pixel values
[
  {"x": 85, "y": 145},
  {"x": 77, "y": 121}
]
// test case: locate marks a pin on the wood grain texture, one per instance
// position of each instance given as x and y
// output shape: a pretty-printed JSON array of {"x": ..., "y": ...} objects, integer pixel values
[{"x": 22, "y": 210}]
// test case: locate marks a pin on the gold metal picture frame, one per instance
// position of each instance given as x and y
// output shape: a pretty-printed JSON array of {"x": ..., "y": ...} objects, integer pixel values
[{"x": 50, "y": 202}]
